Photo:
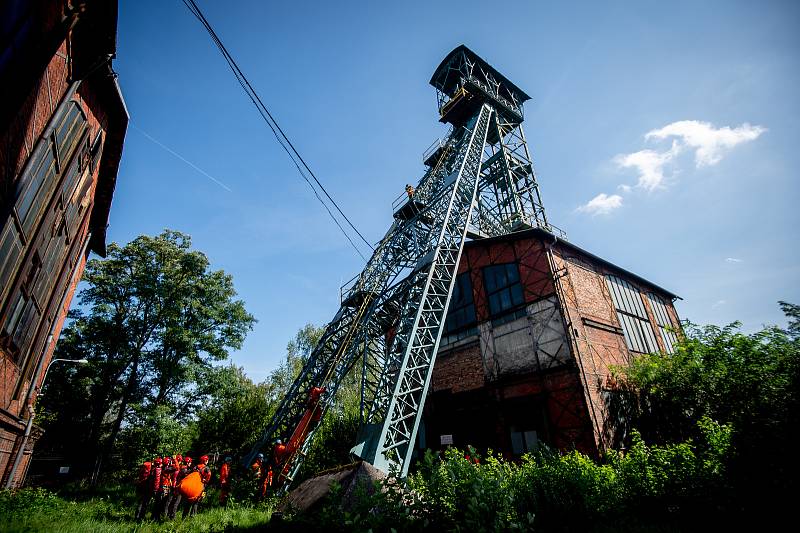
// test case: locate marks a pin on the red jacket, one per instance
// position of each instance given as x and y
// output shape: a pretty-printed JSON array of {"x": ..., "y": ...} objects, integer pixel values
[
  {"x": 144, "y": 473},
  {"x": 224, "y": 473},
  {"x": 155, "y": 478}
]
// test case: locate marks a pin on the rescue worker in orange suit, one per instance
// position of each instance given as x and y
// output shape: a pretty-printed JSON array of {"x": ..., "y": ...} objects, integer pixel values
[
  {"x": 175, "y": 501},
  {"x": 178, "y": 463},
  {"x": 278, "y": 456},
  {"x": 225, "y": 480},
  {"x": 409, "y": 191},
  {"x": 258, "y": 470},
  {"x": 143, "y": 491},
  {"x": 164, "y": 495},
  {"x": 190, "y": 508},
  {"x": 153, "y": 485}
]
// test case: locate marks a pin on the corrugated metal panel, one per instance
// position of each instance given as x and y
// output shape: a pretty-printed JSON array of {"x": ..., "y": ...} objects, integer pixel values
[
  {"x": 664, "y": 321},
  {"x": 636, "y": 327}
]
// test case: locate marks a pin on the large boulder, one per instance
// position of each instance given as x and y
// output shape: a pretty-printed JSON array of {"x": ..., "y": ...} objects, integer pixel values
[{"x": 350, "y": 477}]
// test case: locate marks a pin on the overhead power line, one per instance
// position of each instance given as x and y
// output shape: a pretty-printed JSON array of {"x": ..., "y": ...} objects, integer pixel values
[{"x": 279, "y": 134}]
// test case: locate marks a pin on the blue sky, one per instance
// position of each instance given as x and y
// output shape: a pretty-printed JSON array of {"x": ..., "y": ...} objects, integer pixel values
[{"x": 684, "y": 115}]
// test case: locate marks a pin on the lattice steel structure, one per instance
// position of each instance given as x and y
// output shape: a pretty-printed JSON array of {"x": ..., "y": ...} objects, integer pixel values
[{"x": 479, "y": 182}]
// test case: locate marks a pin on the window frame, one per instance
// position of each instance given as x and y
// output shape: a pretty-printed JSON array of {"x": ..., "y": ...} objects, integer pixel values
[
  {"x": 636, "y": 327},
  {"x": 493, "y": 290},
  {"x": 462, "y": 303},
  {"x": 664, "y": 321},
  {"x": 36, "y": 216}
]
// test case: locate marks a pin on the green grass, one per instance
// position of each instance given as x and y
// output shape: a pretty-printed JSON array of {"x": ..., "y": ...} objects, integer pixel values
[{"x": 111, "y": 509}]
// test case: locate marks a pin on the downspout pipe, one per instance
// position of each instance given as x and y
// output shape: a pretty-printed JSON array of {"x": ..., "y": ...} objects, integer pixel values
[{"x": 31, "y": 413}]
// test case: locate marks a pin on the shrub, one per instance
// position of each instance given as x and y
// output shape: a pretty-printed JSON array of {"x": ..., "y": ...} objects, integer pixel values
[{"x": 550, "y": 491}]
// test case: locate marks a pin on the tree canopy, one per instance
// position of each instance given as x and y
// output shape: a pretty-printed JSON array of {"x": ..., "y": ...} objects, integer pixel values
[{"x": 153, "y": 320}]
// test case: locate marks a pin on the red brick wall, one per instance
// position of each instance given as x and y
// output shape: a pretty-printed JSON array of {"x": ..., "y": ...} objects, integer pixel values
[
  {"x": 562, "y": 392},
  {"x": 598, "y": 347},
  {"x": 17, "y": 141},
  {"x": 461, "y": 369},
  {"x": 97, "y": 120},
  {"x": 534, "y": 271},
  {"x": 16, "y": 144},
  {"x": 458, "y": 370}
]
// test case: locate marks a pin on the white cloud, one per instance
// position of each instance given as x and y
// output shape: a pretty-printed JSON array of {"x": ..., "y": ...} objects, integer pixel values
[
  {"x": 602, "y": 204},
  {"x": 709, "y": 143},
  {"x": 732, "y": 260},
  {"x": 718, "y": 304},
  {"x": 650, "y": 165},
  {"x": 624, "y": 188}
]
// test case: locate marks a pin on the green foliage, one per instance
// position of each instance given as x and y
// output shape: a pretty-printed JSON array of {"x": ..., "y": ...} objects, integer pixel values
[
  {"x": 110, "y": 509},
  {"x": 749, "y": 382},
  {"x": 154, "y": 320},
  {"x": 236, "y": 413},
  {"x": 297, "y": 352},
  {"x": 649, "y": 486},
  {"x": 159, "y": 433},
  {"x": 26, "y": 501}
]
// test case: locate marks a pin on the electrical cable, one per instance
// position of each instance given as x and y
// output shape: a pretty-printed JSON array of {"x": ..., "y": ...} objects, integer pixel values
[{"x": 279, "y": 134}]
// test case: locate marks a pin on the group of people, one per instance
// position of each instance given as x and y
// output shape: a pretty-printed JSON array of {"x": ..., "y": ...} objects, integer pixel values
[{"x": 166, "y": 483}]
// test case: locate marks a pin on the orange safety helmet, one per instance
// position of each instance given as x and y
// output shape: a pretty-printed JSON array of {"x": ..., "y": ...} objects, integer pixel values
[
  {"x": 158, "y": 461},
  {"x": 203, "y": 459},
  {"x": 187, "y": 460}
]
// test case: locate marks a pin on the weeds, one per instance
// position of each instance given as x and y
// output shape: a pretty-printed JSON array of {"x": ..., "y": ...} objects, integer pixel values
[{"x": 110, "y": 510}]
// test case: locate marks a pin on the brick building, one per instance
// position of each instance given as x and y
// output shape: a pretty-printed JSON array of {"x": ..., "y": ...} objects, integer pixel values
[
  {"x": 529, "y": 342},
  {"x": 62, "y": 127}
]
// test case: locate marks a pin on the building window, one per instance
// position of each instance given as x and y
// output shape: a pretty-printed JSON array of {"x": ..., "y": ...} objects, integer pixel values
[
  {"x": 10, "y": 254},
  {"x": 31, "y": 261},
  {"x": 632, "y": 316},
  {"x": 38, "y": 181},
  {"x": 665, "y": 325},
  {"x": 524, "y": 441},
  {"x": 461, "y": 321},
  {"x": 21, "y": 322},
  {"x": 503, "y": 288},
  {"x": 461, "y": 312},
  {"x": 40, "y": 177}
]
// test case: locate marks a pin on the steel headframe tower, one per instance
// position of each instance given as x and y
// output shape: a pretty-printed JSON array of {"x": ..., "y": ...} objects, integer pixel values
[{"x": 479, "y": 182}]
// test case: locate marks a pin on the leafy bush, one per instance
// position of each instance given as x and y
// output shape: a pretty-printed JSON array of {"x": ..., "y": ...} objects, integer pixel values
[
  {"x": 548, "y": 491},
  {"x": 26, "y": 501},
  {"x": 749, "y": 382}
]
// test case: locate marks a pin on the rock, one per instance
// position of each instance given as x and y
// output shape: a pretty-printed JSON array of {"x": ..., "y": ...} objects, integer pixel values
[{"x": 350, "y": 477}]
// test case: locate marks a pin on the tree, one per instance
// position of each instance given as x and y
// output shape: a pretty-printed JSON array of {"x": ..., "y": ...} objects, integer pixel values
[
  {"x": 154, "y": 319},
  {"x": 236, "y": 413},
  {"x": 297, "y": 352},
  {"x": 749, "y": 382}
]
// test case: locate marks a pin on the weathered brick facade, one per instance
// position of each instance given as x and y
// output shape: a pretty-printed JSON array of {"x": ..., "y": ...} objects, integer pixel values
[
  {"x": 62, "y": 126},
  {"x": 536, "y": 367}
]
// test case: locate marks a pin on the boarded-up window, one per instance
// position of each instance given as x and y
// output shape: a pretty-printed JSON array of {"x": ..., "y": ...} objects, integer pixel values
[
  {"x": 665, "y": 325},
  {"x": 632, "y": 316}
]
